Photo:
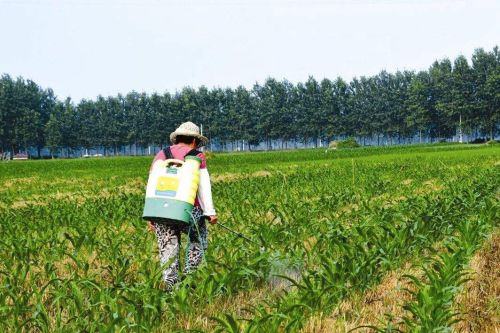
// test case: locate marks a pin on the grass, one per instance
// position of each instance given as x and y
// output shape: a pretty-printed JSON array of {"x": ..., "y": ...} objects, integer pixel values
[{"x": 75, "y": 254}]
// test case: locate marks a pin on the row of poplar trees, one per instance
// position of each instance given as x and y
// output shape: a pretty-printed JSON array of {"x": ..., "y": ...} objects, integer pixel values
[{"x": 397, "y": 106}]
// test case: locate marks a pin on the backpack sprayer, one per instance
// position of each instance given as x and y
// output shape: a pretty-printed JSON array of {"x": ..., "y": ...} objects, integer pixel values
[{"x": 171, "y": 189}]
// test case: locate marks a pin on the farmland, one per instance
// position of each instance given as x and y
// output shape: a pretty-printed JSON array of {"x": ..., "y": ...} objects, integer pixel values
[{"x": 379, "y": 237}]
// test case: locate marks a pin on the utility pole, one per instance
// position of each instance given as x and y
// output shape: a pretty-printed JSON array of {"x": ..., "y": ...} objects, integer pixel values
[
  {"x": 201, "y": 132},
  {"x": 460, "y": 129}
]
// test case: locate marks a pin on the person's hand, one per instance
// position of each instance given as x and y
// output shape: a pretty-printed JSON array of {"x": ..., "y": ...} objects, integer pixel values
[
  {"x": 212, "y": 219},
  {"x": 151, "y": 227}
]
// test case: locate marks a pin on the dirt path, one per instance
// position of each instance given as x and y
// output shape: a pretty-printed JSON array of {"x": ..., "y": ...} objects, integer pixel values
[{"x": 479, "y": 302}]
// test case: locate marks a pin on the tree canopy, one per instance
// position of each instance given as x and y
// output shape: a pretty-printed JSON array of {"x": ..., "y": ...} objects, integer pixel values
[{"x": 394, "y": 106}]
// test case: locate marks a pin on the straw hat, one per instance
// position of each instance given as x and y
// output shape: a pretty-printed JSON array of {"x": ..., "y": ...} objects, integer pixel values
[{"x": 189, "y": 129}]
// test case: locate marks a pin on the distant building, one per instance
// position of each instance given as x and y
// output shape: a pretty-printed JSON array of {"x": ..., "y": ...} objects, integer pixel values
[{"x": 21, "y": 156}]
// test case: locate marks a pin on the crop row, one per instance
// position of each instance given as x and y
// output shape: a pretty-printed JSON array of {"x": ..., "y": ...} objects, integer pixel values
[
  {"x": 331, "y": 228},
  {"x": 353, "y": 258}
]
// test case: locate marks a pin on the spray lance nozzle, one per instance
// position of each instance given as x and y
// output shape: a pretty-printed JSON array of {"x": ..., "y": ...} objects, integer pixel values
[{"x": 280, "y": 266}]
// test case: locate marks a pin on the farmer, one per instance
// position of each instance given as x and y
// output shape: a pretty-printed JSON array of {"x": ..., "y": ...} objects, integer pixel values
[{"x": 186, "y": 138}]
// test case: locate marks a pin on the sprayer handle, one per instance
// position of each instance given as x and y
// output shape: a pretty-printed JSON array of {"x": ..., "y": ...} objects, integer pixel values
[
  {"x": 211, "y": 219},
  {"x": 173, "y": 161}
]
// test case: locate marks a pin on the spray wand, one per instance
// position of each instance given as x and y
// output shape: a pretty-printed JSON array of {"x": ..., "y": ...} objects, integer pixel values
[{"x": 239, "y": 234}]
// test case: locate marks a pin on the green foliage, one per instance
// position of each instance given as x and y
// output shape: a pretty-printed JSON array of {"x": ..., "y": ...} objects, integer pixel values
[
  {"x": 75, "y": 254},
  {"x": 348, "y": 143},
  {"x": 394, "y": 107},
  {"x": 430, "y": 307}
]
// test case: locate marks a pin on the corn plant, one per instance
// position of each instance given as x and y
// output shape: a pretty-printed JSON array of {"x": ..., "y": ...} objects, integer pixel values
[{"x": 76, "y": 256}]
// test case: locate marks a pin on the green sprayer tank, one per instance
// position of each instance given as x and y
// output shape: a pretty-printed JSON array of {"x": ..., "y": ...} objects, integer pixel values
[{"x": 171, "y": 190}]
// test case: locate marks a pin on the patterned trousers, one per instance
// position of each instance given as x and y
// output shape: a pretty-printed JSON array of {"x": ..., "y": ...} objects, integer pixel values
[{"x": 169, "y": 243}]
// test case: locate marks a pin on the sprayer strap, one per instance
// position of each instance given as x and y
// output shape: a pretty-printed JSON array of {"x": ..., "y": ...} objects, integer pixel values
[
  {"x": 168, "y": 153},
  {"x": 201, "y": 240},
  {"x": 193, "y": 152}
]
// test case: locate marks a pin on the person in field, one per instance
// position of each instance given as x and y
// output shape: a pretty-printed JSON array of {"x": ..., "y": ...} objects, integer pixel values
[{"x": 185, "y": 139}]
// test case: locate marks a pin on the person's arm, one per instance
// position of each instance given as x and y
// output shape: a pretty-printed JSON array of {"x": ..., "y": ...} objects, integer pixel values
[{"x": 205, "y": 196}]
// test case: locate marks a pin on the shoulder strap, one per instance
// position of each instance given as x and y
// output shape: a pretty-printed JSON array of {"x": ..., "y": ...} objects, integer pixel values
[
  {"x": 168, "y": 153},
  {"x": 193, "y": 152}
]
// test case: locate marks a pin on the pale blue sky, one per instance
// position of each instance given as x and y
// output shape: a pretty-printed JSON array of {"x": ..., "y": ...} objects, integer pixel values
[{"x": 85, "y": 48}]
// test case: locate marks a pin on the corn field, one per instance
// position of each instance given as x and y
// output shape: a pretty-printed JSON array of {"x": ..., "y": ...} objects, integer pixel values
[{"x": 75, "y": 254}]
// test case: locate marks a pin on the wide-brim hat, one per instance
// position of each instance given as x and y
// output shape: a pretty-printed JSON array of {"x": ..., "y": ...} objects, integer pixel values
[{"x": 189, "y": 129}]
